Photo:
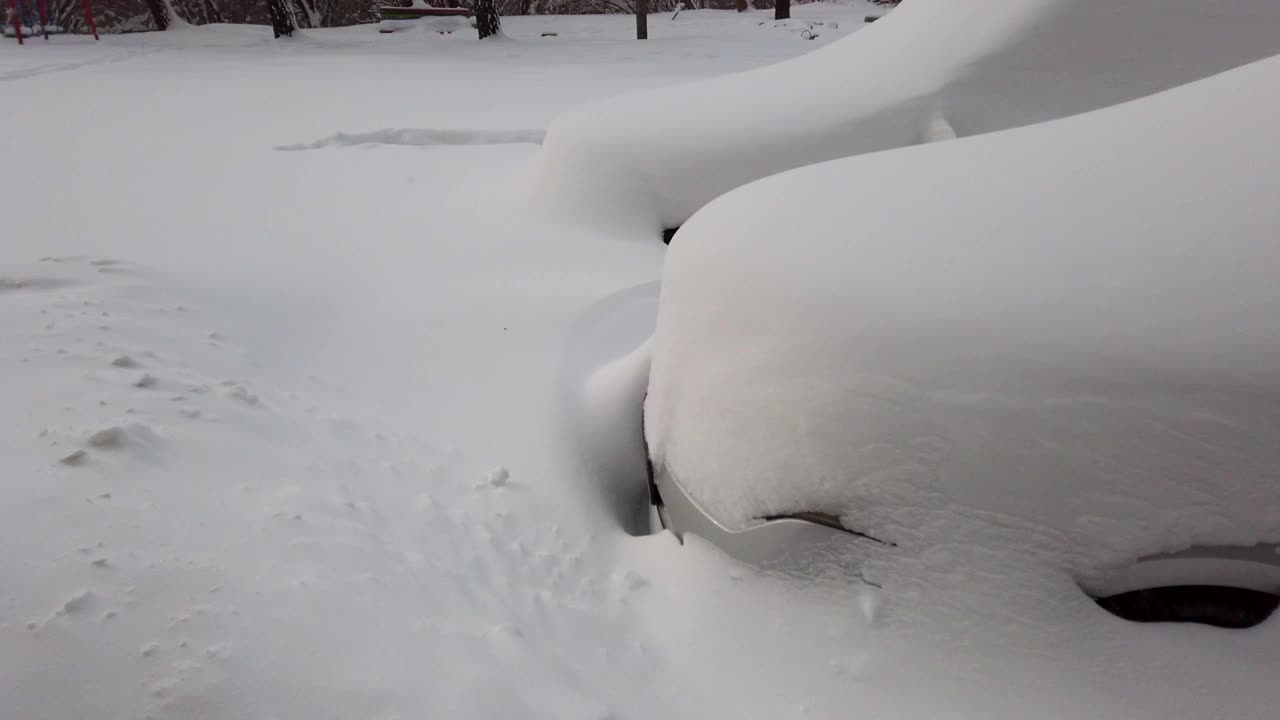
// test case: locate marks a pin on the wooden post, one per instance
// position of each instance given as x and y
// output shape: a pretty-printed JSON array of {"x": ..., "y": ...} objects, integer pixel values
[
  {"x": 781, "y": 9},
  {"x": 642, "y": 19}
]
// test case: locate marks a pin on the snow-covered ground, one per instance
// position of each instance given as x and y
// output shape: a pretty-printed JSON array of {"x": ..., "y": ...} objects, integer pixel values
[{"x": 284, "y": 435}]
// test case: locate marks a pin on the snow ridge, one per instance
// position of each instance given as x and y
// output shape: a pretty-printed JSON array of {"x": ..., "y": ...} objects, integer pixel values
[{"x": 422, "y": 137}]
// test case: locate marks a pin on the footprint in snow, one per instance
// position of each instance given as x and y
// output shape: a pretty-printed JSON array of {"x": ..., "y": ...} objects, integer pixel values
[
  {"x": 499, "y": 477},
  {"x": 132, "y": 436},
  {"x": 238, "y": 392},
  {"x": 32, "y": 283}
]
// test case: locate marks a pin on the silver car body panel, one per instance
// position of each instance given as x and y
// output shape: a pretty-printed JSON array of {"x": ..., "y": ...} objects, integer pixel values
[
  {"x": 1255, "y": 567},
  {"x": 789, "y": 545},
  {"x": 795, "y": 545}
]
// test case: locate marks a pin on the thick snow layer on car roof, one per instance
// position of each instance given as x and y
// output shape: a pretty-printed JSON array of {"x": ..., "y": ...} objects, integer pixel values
[
  {"x": 930, "y": 70},
  {"x": 1069, "y": 327}
]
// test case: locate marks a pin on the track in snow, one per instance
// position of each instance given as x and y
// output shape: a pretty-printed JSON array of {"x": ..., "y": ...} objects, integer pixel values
[{"x": 423, "y": 137}]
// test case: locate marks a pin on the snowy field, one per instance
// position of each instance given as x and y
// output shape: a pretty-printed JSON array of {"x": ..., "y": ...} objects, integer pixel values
[{"x": 284, "y": 360}]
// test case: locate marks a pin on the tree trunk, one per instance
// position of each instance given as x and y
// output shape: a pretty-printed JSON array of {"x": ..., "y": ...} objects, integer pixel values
[
  {"x": 281, "y": 18},
  {"x": 212, "y": 13},
  {"x": 781, "y": 9},
  {"x": 642, "y": 19},
  {"x": 741, "y": 5},
  {"x": 488, "y": 23},
  {"x": 159, "y": 14}
]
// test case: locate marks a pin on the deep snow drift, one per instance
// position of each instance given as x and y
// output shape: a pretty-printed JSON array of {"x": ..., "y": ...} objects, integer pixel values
[
  {"x": 928, "y": 71},
  {"x": 335, "y": 480}
]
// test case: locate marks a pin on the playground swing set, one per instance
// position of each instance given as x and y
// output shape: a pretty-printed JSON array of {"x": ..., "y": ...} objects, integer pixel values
[{"x": 35, "y": 19}]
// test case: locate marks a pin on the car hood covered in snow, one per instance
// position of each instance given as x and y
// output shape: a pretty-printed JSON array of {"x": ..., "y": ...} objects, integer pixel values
[
  {"x": 1071, "y": 326},
  {"x": 1048, "y": 352}
]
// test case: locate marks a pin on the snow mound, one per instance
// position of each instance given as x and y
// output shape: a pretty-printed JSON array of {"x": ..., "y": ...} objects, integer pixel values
[
  {"x": 930, "y": 70},
  {"x": 602, "y": 386},
  {"x": 1061, "y": 336}
]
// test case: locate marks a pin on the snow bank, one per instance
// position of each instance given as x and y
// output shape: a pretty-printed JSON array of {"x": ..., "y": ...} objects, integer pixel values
[
  {"x": 605, "y": 372},
  {"x": 929, "y": 70},
  {"x": 1068, "y": 329}
]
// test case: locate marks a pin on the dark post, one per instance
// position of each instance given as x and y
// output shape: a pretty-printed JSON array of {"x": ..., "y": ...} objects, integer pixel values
[
  {"x": 487, "y": 22},
  {"x": 281, "y": 18},
  {"x": 88, "y": 14},
  {"x": 44, "y": 18},
  {"x": 781, "y": 9},
  {"x": 212, "y": 13},
  {"x": 159, "y": 14},
  {"x": 642, "y": 19}
]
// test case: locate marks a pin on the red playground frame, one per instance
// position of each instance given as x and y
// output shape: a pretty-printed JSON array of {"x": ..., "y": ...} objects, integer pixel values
[{"x": 44, "y": 18}]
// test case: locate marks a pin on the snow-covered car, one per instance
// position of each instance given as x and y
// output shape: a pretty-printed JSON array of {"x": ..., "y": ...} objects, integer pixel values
[
  {"x": 931, "y": 70},
  {"x": 1056, "y": 347}
]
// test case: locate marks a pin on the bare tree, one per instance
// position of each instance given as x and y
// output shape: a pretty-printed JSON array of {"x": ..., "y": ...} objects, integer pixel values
[
  {"x": 642, "y": 19},
  {"x": 781, "y": 9},
  {"x": 282, "y": 22},
  {"x": 488, "y": 23},
  {"x": 291, "y": 15},
  {"x": 159, "y": 14},
  {"x": 320, "y": 13}
]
